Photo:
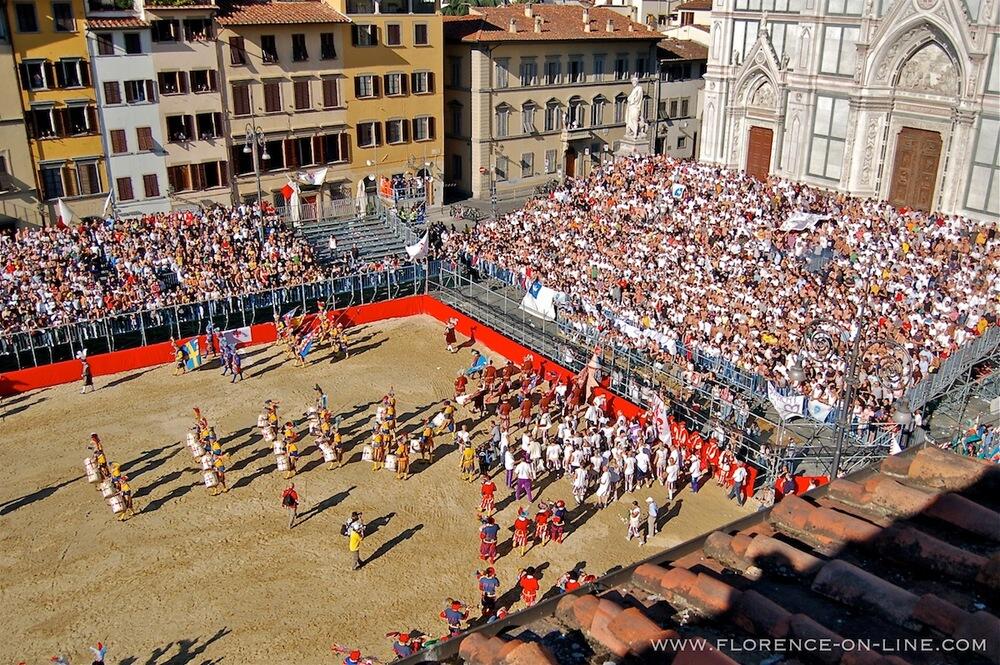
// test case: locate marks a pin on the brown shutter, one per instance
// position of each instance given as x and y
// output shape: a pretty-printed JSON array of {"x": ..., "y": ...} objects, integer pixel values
[
  {"x": 69, "y": 181},
  {"x": 119, "y": 142},
  {"x": 329, "y": 93},
  {"x": 345, "y": 147},
  {"x": 318, "y": 152},
  {"x": 357, "y": 87},
  {"x": 182, "y": 82},
  {"x": 377, "y": 86},
  {"x": 150, "y": 186},
  {"x": 224, "y": 173},
  {"x": 413, "y": 81},
  {"x": 124, "y": 186},
  {"x": 60, "y": 76},
  {"x": 430, "y": 127},
  {"x": 406, "y": 130},
  {"x": 213, "y": 80},
  {"x": 85, "y": 73},
  {"x": 291, "y": 154},
  {"x": 50, "y": 75},
  {"x": 378, "y": 133},
  {"x": 217, "y": 118},
  {"x": 197, "y": 177},
  {"x": 59, "y": 118},
  {"x": 112, "y": 92},
  {"x": 29, "y": 124},
  {"x": 430, "y": 81},
  {"x": 404, "y": 84},
  {"x": 92, "y": 121},
  {"x": 144, "y": 135},
  {"x": 25, "y": 77},
  {"x": 150, "y": 91}
]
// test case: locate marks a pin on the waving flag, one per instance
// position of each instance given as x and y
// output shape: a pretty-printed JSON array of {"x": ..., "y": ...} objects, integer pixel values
[
  {"x": 317, "y": 177},
  {"x": 677, "y": 190},
  {"x": 418, "y": 251},
  {"x": 193, "y": 354},
  {"x": 64, "y": 216},
  {"x": 540, "y": 301}
]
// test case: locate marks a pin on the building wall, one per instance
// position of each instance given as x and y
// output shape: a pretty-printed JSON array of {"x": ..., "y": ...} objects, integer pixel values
[
  {"x": 837, "y": 83},
  {"x": 180, "y": 58},
  {"x": 678, "y": 133},
  {"x": 18, "y": 195},
  {"x": 288, "y": 123},
  {"x": 136, "y": 163},
  {"x": 551, "y": 150},
  {"x": 69, "y": 152}
]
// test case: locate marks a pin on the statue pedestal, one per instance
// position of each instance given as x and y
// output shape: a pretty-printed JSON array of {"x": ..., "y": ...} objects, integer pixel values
[{"x": 632, "y": 145}]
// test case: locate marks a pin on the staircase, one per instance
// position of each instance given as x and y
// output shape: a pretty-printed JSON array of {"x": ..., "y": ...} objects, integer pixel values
[{"x": 373, "y": 237}]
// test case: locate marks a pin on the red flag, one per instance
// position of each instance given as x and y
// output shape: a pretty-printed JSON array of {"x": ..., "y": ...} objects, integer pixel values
[{"x": 287, "y": 191}]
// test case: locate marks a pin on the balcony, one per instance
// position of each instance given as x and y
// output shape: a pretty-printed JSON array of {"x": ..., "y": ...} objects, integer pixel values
[{"x": 113, "y": 6}]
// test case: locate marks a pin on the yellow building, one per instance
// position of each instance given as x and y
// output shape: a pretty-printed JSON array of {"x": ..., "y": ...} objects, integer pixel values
[
  {"x": 393, "y": 63},
  {"x": 57, "y": 94},
  {"x": 18, "y": 198}
]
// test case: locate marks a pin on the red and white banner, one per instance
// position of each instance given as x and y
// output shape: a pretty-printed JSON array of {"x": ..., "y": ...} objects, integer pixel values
[{"x": 659, "y": 416}]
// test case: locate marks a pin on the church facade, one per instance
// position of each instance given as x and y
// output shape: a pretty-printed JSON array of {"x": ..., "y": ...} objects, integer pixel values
[{"x": 892, "y": 99}]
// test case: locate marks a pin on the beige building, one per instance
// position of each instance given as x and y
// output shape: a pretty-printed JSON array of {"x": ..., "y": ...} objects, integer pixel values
[
  {"x": 18, "y": 196},
  {"x": 285, "y": 96},
  {"x": 538, "y": 92}
]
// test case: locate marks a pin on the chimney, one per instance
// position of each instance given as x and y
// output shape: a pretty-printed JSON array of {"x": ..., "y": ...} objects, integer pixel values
[
  {"x": 586, "y": 17},
  {"x": 538, "y": 24},
  {"x": 610, "y": 27},
  {"x": 631, "y": 26},
  {"x": 527, "y": 10},
  {"x": 513, "y": 26}
]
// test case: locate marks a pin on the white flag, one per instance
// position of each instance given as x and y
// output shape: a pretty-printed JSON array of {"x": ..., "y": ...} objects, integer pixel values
[
  {"x": 418, "y": 252},
  {"x": 63, "y": 214},
  {"x": 313, "y": 178},
  {"x": 294, "y": 202},
  {"x": 107, "y": 201}
]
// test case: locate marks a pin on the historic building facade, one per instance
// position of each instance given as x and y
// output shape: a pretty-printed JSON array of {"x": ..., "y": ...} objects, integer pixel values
[{"x": 894, "y": 99}]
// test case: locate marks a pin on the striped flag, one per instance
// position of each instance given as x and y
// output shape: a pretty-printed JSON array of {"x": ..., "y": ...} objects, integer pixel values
[{"x": 192, "y": 354}]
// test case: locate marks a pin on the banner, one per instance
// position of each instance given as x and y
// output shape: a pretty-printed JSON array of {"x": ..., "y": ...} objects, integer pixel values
[
  {"x": 659, "y": 414},
  {"x": 802, "y": 221},
  {"x": 316, "y": 178},
  {"x": 192, "y": 354},
  {"x": 818, "y": 410},
  {"x": 237, "y": 336},
  {"x": 418, "y": 251},
  {"x": 677, "y": 190},
  {"x": 540, "y": 301},
  {"x": 787, "y": 407}
]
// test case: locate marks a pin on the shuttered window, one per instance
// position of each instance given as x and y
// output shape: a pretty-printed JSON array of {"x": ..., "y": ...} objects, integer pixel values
[{"x": 119, "y": 141}]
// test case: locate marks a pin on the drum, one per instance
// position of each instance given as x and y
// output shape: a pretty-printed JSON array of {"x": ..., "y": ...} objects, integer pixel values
[
  {"x": 107, "y": 489},
  {"x": 415, "y": 446},
  {"x": 390, "y": 462},
  {"x": 283, "y": 463},
  {"x": 268, "y": 434},
  {"x": 261, "y": 421},
  {"x": 366, "y": 454},
  {"x": 438, "y": 420},
  {"x": 192, "y": 439},
  {"x": 117, "y": 504},
  {"x": 328, "y": 454},
  {"x": 206, "y": 462},
  {"x": 210, "y": 479},
  {"x": 195, "y": 450},
  {"x": 279, "y": 448},
  {"x": 90, "y": 468},
  {"x": 462, "y": 399}
]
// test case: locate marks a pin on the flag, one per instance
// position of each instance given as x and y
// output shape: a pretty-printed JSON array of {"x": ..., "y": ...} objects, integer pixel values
[
  {"x": 535, "y": 288},
  {"x": 108, "y": 202},
  {"x": 787, "y": 406},
  {"x": 418, "y": 251},
  {"x": 237, "y": 336},
  {"x": 317, "y": 177},
  {"x": 308, "y": 346},
  {"x": 287, "y": 191},
  {"x": 677, "y": 190},
  {"x": 294, "y": 201},
  {"x": 540, "y": 301},
  {"x": 193, "y": 354},
  {"x": 63, "y": 214},
  {"x": 659, "y": 414},
  {"x": 818, "y": 410}
]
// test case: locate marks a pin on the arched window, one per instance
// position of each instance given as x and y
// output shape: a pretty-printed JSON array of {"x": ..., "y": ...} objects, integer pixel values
[
  {"x": 553, "y": 115},
  {"x": 620, "y": 101},
  {"x": 575, "y": 118},
  {"x": 502, "y": 129},
  {"x": 597, "y": 110},
  {"x": 528, "y": 117}
]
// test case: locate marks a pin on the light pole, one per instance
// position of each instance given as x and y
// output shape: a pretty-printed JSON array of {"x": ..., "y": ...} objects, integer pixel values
[
  {"x": 888, "y": 361},
  {"x": 255, "y": 139}
]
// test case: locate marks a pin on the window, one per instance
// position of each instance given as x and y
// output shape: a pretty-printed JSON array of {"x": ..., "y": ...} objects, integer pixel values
[
  {"x": 845, "y": 7},
  {"x": 641, "y": 66},
  {"x": 673, "y": 109},
  {"x": 327, "y": 50},
  {"x": 501, "y": 168},
  {"x": 268, "y": 49},
  {"x": 687, "y": 18},
  {"x": 78, "y": 119},
  {"x": 502, "y": 121},
  {"x": 366, "y": 86},
  {"x": 299, "y": 152},
  {"x": 172, "y": 83},
  {"x": 455, "y": 72},
  {"x": 828, "y": 137},
  {"x": 455, "y": 112},
  {"x": 576, "y": 113},
  {"x": 151, "y": 186},
  {"x": 364, "y": 35},
  {"x": 423, "y": 128},
  {"x": 785, "y": 38},
  {"x": 203, "y": 80},
  {"x": 331, "y": 93},
  {"x": 684, "y": 108},
  {"x": 553, "y": 116},
  {"x": 681, "y": 142},
  {"x": 527, "y": 165},
  {"x": 597, "y": 111},
  {"x": 124, "y": 186},
  {"x": 24, "y": 14},
  {"x": 166, "y": 31},
  {"x": 369, "y": 134},
  {"x": 768, "y": 5},
  {"x": 177, "y": 178},
  {"x": 37, "y": 75},
  {"x": 620, "y": 101},
  {"x": 528, "y": 117},
  {"x": 237, "y": 51},
  {"x": 396, "y": 84},
  {"x": 393, "y": 36},
  {"x": 621, "y": 68},
  {"x": 112, "y": 92},
  {"x": 839, "y": 51},
  {"x": 576, "y": 74},
  {"x": 198, "y": 29},
  {"x": 423, "y": 82},
  {"x": 72, "y": 73},
  {"x": 144, "y": 138},
  {"x": 301, "y": 90},
  {"x": 393, "y": 7},
  {"x": 105, "y": 44},
  {"x": 89, "y": 177},
  {"x": 984, "y": 178},
  {"x": 553, "y": 72},
  {"x": 396, "y": 131},
  {"x": 299, "y": 51},
  {"x": 62, "y": 17},
  {"x": 133, "y": 43},
  {"x": 501, "y": 74},
  {"x": 272, "y": 97},
  {"x": 52, "y": 182},
  {"x": 180, "y": 128},
  {"x": 241, "y": 99},
  {"x": 360, "y": 6},
  {"x": 993, "y": 77},
  {"x": 529, "y": 72},
  {"x": 119, "y": 142},
  {"x": 209, "y": 125},
  {"x": 335, "y": 147},
  {"x": 599, "y": 67},
  {"x": 420, "y": 34},
  {"x": 550, "y": 161},
  {"x": 137, "y": 92}
]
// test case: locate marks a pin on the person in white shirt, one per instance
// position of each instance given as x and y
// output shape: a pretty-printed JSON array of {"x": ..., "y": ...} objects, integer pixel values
[
  {"x": 739, "y": 480},
  {"x": 603, "y": 492},
  {"x": 695, "y": 471},
  {"x": 629, "y": 472},
  {"x": 580, "y": 482},
  {"x": 642, "y": 470},
  {"x": 553, "y": 453},
  {"x": 508, "y": 465},
  {"x": 524, "y": 473},
  {"x": 652, "y": 512},
  {"x": 634, "y": 522}
]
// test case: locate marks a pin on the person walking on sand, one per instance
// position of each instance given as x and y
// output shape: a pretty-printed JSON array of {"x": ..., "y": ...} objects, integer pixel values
[
  {"x": 87, "y": 375},
  {"x": 290, "y": 502},
  {"x": 355, "y": 536}
]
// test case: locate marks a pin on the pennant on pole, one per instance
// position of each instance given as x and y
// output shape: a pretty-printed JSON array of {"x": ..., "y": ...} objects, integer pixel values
[
  {"x": 418, "y": 251},
  {"x": 63, "y": 214}
]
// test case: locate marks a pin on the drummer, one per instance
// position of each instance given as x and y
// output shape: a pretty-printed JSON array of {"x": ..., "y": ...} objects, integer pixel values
[
  {"x": 338, "y": 447},
  {"x": 293, "y": 456},
  {"x": 116, "y": 475},
  {"x": 468, "y": 462},
  {"x": 378, "y": 451},
  {"x": 126, "y": 493},
  {"x": 100, "y": 459},
  {"x": 427, "y": 442},
  {"x": 219, "y": 468},
  {"x": 448, "y": 423},
  {"x": 402, "y": 457}
]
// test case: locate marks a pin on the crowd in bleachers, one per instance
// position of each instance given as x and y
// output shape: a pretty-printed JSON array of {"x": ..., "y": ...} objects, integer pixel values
[
  {"x": 91, "y": 269},
  {"x": 659, "y": 254}
]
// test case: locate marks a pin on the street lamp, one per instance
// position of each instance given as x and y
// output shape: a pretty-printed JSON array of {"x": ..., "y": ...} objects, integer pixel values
[
  {"x": 255, "y": 139},
  {"x": 889, "y": 362}
]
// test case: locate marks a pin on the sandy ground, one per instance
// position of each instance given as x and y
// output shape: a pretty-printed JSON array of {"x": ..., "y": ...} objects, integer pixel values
[{"x": 209, "y": 579}]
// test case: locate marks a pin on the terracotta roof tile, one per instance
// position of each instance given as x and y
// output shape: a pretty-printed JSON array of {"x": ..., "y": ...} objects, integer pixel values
[
  {"x": 695, "y": 5},
  {"x": 558, "y": 23},
  {"x": 271, "y": 13},
  {"x": 116, "y": 23},
  {"x": 684, "y": 49},
  {"x": 703, "y": 28},
  {"x": 908, "y": 551}
]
